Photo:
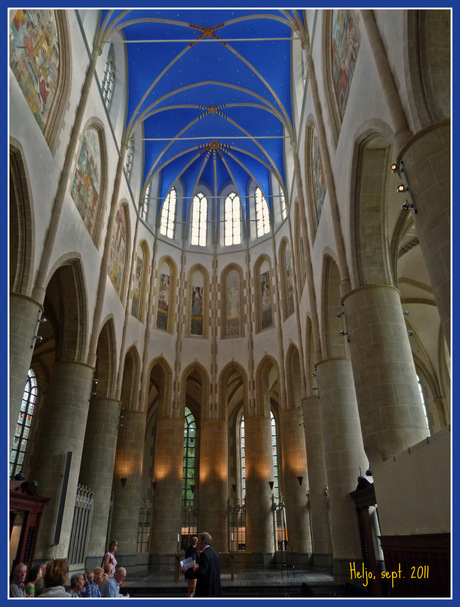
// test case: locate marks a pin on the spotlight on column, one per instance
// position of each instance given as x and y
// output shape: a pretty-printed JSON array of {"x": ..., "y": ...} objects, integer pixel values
[
  {"x": 123, "y": 480},
  {"x": 406, "y": 312},
  {"x": 394, "y": 167},
  {"x": 270, "y": 484},
  {"x": 402, "y": 188},
  {"x": 43, "y": 319},
  {"x": 339, "y": 314},
  {"x": 300, "y": 479},
  {"x": 342, "y": 333},
  {"x": 313, "y": 374},
  {"x": 410, "y": 332}
]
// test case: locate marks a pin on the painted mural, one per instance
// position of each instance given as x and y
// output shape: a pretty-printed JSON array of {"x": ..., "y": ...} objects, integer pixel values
[
  {"x": 233, "y": 303},
  {"x": 137, "y": 280},
  {"x": 345, "y": 47},
  {"x": 289, "y": 282},
  {"x": 317, "y": 175},
  {"x": 266, "y": 304},
  {"x": 117, "y": 250},
  {"x": 163, "y": 302},
  {"x": 34, "y": 59},
  {"x": 86, "y": 182},
  {"x": 196, "y": 326}
]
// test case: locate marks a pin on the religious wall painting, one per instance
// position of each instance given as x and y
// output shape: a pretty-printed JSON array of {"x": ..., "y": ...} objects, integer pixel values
[
  {"x": 34, "y": 59},
  {"x": 117, "y": 250},
  {"x": 233, "y": 303},
  {"x": 317, "y": 175},
  {"x": 137, "y": 280},
  {"x": 86, "y": 182},
  {"x": 345, "y": 47},
  {"x": 289, "y": 282},
  {"x": 266, "y": 304},
  {"x": 196, "y": 323},
  {"x": 163, "y": 302}
]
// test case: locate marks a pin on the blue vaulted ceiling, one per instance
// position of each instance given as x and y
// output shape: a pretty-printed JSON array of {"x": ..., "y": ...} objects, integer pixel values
[{"x": 212, "y": 89}]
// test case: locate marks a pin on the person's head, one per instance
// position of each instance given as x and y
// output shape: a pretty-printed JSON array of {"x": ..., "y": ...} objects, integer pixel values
[
  {"x": 77, "y": 581},
  {"x": 113, "y": 546},
  {"x": 204, "y": 539},
  {"x": 34, "y": 573},
  {"x": 98, "y": 575},
  {"x": 19, "y": 573},
  {"x": 120, "y": 574},
  {"x": 194, "y": 540},
  {"x": 57, "y": 573}
]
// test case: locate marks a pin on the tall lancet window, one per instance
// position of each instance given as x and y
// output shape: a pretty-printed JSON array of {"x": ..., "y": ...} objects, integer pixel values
[
  {"x": 22, "y": 433},
  {"x": 145, "y": 203},
  {"x": 232, "y": 220},
  {"x": 129, "y": 159},
  {"x": 262, "y": 213},
  {"x": 188, "y": 476},
  {"x": 199, "y": 219},
  {"x": 422, "y": 398},
  {"x": 108, "y": 80},
  {"x": 168, "y": 214}
]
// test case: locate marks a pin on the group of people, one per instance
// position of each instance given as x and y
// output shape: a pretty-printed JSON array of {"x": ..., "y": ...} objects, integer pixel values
[
  {"x": 52, "y": 580},
  {"x": 203, "y": 577}
]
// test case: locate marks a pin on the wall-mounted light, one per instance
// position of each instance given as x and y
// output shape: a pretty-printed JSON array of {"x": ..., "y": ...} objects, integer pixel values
[
  {"x": 409, "y": 205},
  {"x": 342, "y": 333},
  {"x": 401, "y": 188},
  {"x": 300, "y": 479},
  {"x": 410, "y": 332},
  {"x": 43, "y": 320},
  {"x": 313, "y": 374},
  {"x": 406, "y": 312},
  {"x": 339, "y": 314},
  {"x": 270, "y": 484},
  {"x": 395, "y": 168},
  {"x": 123, "y": 480}
]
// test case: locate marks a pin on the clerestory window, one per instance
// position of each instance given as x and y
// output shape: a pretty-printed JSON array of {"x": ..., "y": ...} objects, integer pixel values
[
  {"x": 232, "y": 227},
  {"x": 199, "y": 220},
  {"x": 262, "y": 213},
  {"x": 108, "y": 80},
  {"x": 168, "y": 214}
]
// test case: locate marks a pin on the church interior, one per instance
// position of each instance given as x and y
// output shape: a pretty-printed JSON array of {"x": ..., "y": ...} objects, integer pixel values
[{"x": 229, "y": 290}]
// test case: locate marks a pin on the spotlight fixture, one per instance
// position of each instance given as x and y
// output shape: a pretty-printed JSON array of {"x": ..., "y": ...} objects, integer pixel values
[
  {"x": 42, "y": 320},
  {"x": 406, "y": 206},
  {"x": 339, "y": 314},
  {"x": 402, "y": 188},
  {"x": 394, "y": 167},
  {"x": 410, "y": 332},
  {"x": 406, "y": 312},
  {"x": 313, "y": 374},
  {"x": 342, "y": 333},
  {"x": 300, "y": 479}
]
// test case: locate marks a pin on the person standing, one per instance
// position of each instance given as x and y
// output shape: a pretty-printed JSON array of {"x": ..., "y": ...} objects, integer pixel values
[
  {"x": 207, "y": 571},
  {"x": 110, "y": 562},
  {"x": 189, "y": 574},
  {"x": 17, "y": 584},
  {"x": 111, "y": 587}
]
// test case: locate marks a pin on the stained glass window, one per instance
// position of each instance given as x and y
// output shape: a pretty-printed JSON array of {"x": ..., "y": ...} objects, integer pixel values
[
  {"x": 188, "y": 476},
  {"x": 21, "y": 436},
  {"x": 232, "y": 230},
  {"x": 145, "y": 203},
  {"x": 262, "y": 213},
  {"x": 199, "y": 219},
  {"x": 168, "y": 214},
  {"x": 129, "y": 158},
  {"x": 276, "y": 487},
  {"x": 283, "y": 205}
]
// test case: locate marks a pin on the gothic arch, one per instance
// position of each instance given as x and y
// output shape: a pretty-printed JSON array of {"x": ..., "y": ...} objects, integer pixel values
[
  {"x": 300, "y": 251},
  {"x": 287, "y": 278},
  {"x": 195, "y": 391},
  {"x": 160, "y": 388},
  {"x": 232, "y": 303},
  {"x": 165, "y": 294},
  {"x": 264, "y": 312},
  {"x": 197, "y": 298},
  {"x": 232, "y": 389},
  {"x": 106, "y": 360},
  {"x": 131, "y": 381},
  {"x": 293, "y": 378},
  {"x": 118, "y": 269},
  {"x": 21, "y": 223},
  {"x": 267, "y": 385},
  {"x": 140, "y": 281},
  {"x": 314, "y": 177}
]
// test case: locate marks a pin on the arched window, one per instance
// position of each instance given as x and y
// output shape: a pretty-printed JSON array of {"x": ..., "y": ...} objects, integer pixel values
[
  {"x": 243, "y": 460},
  {"x": 283, "y": 205},
  {"x": 168, "y": 214},
  {"x": 232, "y": 226},
  {"x": 22, "y": 434},
  {"x": 108, "y": 80},
  {"x": 145, "y": 203},
  {"x": 422, "y": 398},
  {"x": 262, "y": 213},
  {"x": 199, "y": 219},
  {"x": 188, "y": 476},
  {"x": 129, "y": 158}
]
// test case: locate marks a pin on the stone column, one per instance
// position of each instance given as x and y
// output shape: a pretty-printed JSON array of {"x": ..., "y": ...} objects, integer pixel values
[
  {"x": 214, "y": 482},
  {"x": 167, "y": 499},
  {"x": 390, "y": 408},
  {"x": 294, "y": 459},
  {"x": 259, "y": 471},
  {"x": 427, "y": 165},
  {"x": 97, "y": 467},
  {"x": 317, "y": 478},
  {"x": 127, "y": 483},
  {"x": 57, "y": 455},
  {"x": 24, "y": 315},
  {"x": 344, "y": 455}
]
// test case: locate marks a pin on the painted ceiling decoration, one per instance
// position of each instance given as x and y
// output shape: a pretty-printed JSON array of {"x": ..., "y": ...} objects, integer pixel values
[{"x": 212, "y": 90}]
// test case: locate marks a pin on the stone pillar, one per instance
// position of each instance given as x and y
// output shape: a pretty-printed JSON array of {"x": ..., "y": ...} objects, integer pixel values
[
  {"x": 259, "y": 471},
  {"x": 24, "y": 315},
  {"x": 294, "y": 459},
  {"x": 57, "y": 455},
  {"x": 390, "y": 408},
  {"x": 317, "y": 478},
  {"x": 97, "y": 467},
  {"x": 167, "y": 499},
  {"x": 213, "y": 492},
  {"x": 344, "y": 455},
  {"x": 127, "y": 483},
  {"x": 427, "y": 165}
]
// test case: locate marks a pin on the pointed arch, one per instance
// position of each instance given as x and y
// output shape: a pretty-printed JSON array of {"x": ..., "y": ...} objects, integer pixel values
[
  {"x": 232, "y": 389},
  {"x": 314, "y": 175},
  {"x": 334, "y": 343},
  {"x": 263, "y": 289},
  {"x": 293, "y": 378},
  {"x": 120, "y": 251},
  {"x": 197, "y": 314},
  {"x": 267, "y": 385},
  {"x": 131, "y": 380},
  {"x": 195, "y": 391},
  {"x": 140, "y": 281},
  {"x": 106, "y": 360},
  {"x": 232, "y": 301},
  {"x": 287, "y": 278},
  {"x": 165, "y": 294}
]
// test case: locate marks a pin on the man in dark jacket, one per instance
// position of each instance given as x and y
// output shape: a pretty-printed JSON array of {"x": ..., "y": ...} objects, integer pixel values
[{"x": 207, "y": 571}]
